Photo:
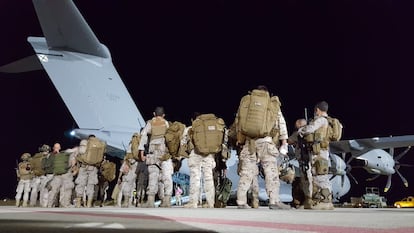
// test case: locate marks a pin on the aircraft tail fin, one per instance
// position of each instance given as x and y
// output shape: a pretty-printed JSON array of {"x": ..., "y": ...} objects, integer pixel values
[
  {"x": 65, "y": 28},
  {"x": 81, "y": 69}
]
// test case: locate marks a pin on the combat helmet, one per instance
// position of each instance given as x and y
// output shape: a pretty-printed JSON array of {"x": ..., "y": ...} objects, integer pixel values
[
  {"x": 44, "y": 148},
  {"x": 25, "y": 156}
]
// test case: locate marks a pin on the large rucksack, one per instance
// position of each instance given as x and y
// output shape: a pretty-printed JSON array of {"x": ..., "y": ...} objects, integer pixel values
[
  {"x": 173, "y": 137},
  {"x": 207, "y": 133},
  {"x": 36, "y": 164},
  {"x": 334, "y": 132},
  {"x": 257, "y": 114},
  {"x": 95, "y": 150},
  {"x": 134, "y": 145},
  {"x": 108, "y": 170}
]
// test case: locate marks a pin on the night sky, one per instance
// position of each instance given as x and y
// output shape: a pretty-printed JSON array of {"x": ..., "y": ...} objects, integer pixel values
[{"x": 205, "y": 55}]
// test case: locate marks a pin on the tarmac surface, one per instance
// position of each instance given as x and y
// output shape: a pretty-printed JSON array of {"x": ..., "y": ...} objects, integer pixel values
[{"x": 230, "y": 219}]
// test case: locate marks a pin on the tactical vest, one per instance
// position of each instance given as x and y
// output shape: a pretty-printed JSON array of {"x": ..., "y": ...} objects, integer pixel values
[
  {"x": 25, "y": 172},
  {"x": 158, "y": 128},
  {"x": 61, "y": 163},
  {"x": 47, "y": 163},
  {"x": 317, "y": 140}
]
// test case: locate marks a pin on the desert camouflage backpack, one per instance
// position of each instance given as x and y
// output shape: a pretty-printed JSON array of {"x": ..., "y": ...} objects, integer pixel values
[
  {"x": 108, "y": 170},
  {"x": 134, "y": 145},
  {"x": 173, "y": 137},
  {"x": 207, "y": 133},
  {"x": 95, "y": 150},
  {"x": 334, "y": 132},
  {"x": 257, "y": 114}
]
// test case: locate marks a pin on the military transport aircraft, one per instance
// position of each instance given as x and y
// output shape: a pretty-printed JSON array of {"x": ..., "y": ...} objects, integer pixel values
[{"x": 74, "y": 59}]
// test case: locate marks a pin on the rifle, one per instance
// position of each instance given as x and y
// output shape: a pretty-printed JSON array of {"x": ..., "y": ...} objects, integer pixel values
[{"x": 305, "y": 151}]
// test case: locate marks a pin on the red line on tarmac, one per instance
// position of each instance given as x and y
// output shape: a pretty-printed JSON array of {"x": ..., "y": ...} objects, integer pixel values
[{"x": 245, "y": 223}]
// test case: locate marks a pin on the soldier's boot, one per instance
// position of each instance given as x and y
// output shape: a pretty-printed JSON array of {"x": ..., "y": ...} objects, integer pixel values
[
  {"x": 89, "y": 203},
  {"x": 166, "y": 201},
  {"x": 279, "y": 206},
  {"x": 17, "y": 202},
  {"x": 125, "y": 203},
  {"x": 255, "y": 203},
  {"x": 24, "y": 203},
  {"x": 325, "y": 202},
  {"x": 150, "y": 202},
  {"x": 308, "y": 203},
  {"x": 191, "y": 205},
  {"x": 78, "y": 202}
]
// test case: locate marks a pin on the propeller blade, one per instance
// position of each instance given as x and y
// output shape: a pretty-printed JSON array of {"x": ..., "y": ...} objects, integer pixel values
[
  {"x": 372, "y": 178},
  {"x": 406, "y": 165},
  {"x": 388, "y": 185},
  {"x": 398, "y": 157},
  {"x": 353, "y": 178},
  {"x": 402, "y": 178},
  {"x": 332, "y": 177}
]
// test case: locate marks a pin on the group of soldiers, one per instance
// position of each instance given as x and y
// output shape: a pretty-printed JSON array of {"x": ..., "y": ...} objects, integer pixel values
[
  {"x": 56, "y": 178},
  {"x": 150, "y": 163}
]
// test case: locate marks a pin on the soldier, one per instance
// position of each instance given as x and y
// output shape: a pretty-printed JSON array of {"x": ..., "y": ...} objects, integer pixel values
[
  {"x": 260, "y": 148},
  {"x": 318, "y": 190},
  {"x": 128, "y": 183},
  {"x": 62, "y": 182},
  {"x": 300, "y": 179},
  {"x": 90, "y": 158},
  {"x": 160, "y": 167},
  {"x": 47, "y": 166},
  {"x": 38, "y": 173},
  {"x": 24, "y": 174},
  {"x": 202, "y": 165},
  {"x": 106, "y": 174}
]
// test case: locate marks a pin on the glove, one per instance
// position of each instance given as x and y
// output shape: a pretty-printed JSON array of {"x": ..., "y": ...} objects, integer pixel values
[
  {"x": 301, "y": 132},
  {"x": 283, "y": 149}
]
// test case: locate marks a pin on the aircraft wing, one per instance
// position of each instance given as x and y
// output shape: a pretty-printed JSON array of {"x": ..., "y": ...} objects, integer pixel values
[{"x": 360, "y": 146}]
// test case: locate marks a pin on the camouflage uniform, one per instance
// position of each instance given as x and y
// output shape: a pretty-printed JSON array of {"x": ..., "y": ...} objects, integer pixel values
[
  {"x": 128, "y": 169},
  {"x": 62, "y": 184},
  {"x": 198, "y": 165},
  {"x": 201, "y": 165},
  {"x": 254, "y": 186},
  {"x": 318, "y": 188},
  {"x": 25, "y": 176},
  {"x": 47, "y": 165},
  {"x": 87, "y": 178},
  {"x": 160, "y": 168},
  {"x": 265, "y": 152},
  {"x": 36, "y": 184}
]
